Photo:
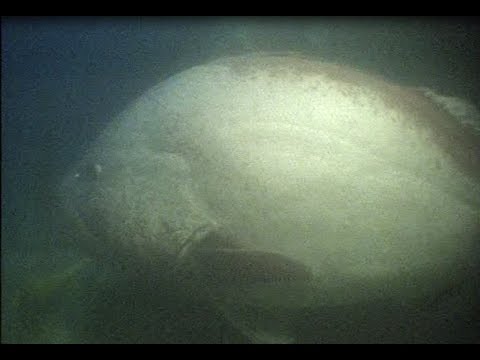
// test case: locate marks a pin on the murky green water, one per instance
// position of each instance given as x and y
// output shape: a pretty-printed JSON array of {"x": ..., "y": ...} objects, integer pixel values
[{"x": 63, "y": 81}]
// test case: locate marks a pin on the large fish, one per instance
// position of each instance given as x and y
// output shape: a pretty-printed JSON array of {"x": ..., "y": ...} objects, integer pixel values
[{"x": 280, "y": 182}]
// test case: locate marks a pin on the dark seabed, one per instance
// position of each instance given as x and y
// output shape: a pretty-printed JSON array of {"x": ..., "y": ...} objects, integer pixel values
[{"x": 63, "y": 80}]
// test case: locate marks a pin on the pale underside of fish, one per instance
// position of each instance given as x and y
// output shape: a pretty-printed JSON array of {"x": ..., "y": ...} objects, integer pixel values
[{"x": 280, "y": 182}]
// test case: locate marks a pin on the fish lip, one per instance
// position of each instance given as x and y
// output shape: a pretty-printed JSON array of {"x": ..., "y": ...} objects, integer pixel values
[
  {"x": 194, "y": 240},
  {"x": 211, "y": 251},
  {"x": 190, "y": 246}
]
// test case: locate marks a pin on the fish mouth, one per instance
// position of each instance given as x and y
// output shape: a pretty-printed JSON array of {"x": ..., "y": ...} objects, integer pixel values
[
  {"x": 218, "y": 259},
  {"x": 244, "y": 266}
]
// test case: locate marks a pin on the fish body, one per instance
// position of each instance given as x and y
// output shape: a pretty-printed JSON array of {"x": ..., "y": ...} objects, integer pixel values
[{"x": 288, "y": 183}]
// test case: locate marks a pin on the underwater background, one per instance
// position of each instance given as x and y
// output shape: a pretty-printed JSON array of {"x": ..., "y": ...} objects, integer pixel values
[{"x": 64, "y": 79}]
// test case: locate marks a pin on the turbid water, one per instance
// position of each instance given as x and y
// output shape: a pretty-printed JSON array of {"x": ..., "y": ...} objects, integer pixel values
[{"x": 255, "y": 181}]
